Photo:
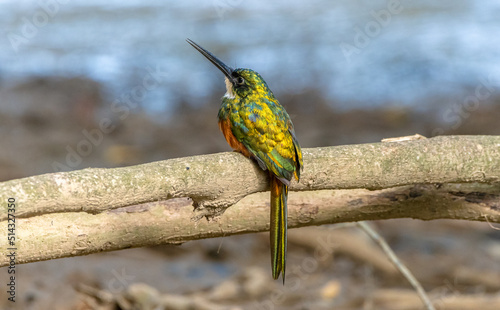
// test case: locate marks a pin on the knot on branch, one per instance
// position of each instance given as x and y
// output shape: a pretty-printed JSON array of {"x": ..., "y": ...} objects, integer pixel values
[{"x": 212, "y": 209}]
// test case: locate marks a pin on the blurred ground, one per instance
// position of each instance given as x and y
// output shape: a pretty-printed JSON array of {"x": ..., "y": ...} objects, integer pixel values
[{"x": 67, "y": 123}]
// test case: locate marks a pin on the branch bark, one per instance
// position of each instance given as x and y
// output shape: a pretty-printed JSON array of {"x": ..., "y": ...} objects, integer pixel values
[{"x": 93, "y": 210}]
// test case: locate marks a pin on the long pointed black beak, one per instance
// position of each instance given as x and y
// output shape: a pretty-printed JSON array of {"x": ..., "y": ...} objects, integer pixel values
[{"x": 216, "y": 61}]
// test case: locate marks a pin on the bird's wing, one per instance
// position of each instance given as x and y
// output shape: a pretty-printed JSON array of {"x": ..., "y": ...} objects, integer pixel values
[{"x": 264, "y": 128}]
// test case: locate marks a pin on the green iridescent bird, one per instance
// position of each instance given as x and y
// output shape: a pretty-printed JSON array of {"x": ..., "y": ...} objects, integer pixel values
[{"x": 256, "y": 125}]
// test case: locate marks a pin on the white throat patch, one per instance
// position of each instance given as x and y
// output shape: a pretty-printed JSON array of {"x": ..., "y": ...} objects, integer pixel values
[{"x": 229, "y": 89}]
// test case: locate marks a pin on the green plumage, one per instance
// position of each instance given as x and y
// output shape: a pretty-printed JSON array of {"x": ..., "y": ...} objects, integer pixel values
[
  {"x": 262, "y": 125},
  {"x": 279, "y": 196},
  {"x": 255, "y": 124}
]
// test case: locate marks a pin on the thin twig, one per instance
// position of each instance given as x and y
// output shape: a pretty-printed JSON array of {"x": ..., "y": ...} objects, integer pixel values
[
  {"x": 397, "y": 262},
  {"x": 491, "y": 225}
]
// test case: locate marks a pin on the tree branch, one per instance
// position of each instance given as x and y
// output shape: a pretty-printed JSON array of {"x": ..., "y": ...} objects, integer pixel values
[{"x": 93, "y": 210}]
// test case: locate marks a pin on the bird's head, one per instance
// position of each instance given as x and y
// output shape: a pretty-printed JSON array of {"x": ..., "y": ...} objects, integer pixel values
[{"x": 239, "y": 82}]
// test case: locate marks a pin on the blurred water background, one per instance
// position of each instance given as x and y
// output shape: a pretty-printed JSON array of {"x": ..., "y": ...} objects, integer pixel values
[
  {"x": 346, "y": 71},
  {"x": 113, "y": 83},
  {"x": 352, "y": 52}
]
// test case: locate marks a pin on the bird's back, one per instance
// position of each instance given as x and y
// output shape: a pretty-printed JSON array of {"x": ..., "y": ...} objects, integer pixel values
[{"x": 260, "y": 123}]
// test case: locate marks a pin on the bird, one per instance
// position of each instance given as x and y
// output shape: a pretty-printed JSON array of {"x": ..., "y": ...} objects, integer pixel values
[{"x": 256, "y": 125}]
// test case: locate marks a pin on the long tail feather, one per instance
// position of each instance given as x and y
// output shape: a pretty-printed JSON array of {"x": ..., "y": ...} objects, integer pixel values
[{"x": 279, "y": 194}]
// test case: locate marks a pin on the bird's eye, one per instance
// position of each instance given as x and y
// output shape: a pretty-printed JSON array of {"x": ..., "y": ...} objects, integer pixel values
[{"x": 240, "y": 80}]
